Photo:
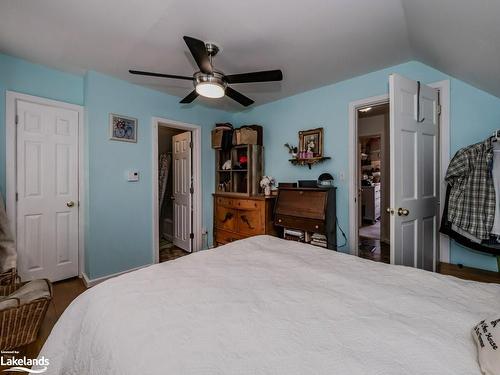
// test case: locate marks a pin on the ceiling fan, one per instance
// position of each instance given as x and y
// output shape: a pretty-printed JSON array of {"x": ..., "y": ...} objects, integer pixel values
[{"x": 212, "y": 83}]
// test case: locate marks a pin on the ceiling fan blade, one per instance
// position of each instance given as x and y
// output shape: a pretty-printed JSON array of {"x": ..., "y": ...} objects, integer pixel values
[
  {"x": 191, "y": 96},
  {"x": 200, "y": 54},
  {"x": 239, "y": 97},
  {"x": 151, "y": 74},
  {"x": 264, "y": 76}
]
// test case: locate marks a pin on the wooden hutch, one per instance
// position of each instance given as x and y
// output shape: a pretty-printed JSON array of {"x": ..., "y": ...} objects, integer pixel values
[{"x": 240, "y": 210}]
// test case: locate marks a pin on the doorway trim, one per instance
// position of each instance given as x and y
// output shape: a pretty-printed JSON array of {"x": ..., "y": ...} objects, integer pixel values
[
  {"x": 11, "y": 99},
  {"x": 444, "y": 154},
  {"x": 197, "y": 194}
]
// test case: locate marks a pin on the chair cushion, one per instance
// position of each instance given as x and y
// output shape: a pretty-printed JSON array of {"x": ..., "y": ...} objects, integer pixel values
[
  {"x": 8, "y": 303},
  {"x": 32, "y": 290}
]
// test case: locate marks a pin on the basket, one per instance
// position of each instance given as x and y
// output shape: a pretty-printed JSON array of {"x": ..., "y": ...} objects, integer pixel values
[{"x": 20, "y": 325}]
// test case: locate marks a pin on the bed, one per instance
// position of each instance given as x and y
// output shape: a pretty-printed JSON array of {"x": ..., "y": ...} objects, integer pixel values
[{"x": 264, "y": 305}]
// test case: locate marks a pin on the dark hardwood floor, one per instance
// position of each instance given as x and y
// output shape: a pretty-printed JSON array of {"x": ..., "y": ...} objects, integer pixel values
[{"x": 375, "y": 250}]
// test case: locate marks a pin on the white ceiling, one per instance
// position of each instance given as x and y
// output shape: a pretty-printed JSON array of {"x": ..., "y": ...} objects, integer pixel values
[{"x": 315, "y": 42}]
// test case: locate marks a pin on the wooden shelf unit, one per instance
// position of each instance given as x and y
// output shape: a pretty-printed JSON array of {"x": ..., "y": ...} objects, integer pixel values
[{"x": 236, "y": 181}]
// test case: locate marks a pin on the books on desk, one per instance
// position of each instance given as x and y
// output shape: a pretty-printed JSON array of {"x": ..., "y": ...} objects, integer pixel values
[
  {"x": 318, "y": 239},
  {"x": 294, "y": 235}
]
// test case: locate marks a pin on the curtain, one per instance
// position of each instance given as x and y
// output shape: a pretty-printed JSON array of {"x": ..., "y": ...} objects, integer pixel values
[{"x": 163, "y": 169}]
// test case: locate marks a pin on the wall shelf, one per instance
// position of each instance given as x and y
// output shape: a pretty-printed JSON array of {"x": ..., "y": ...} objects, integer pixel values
[{"x": 309, "y": 161}]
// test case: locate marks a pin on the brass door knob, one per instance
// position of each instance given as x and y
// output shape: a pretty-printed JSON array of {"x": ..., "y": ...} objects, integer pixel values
[
  {"x": 70, "y": 204},
  {"x": 403, "y": 211}
]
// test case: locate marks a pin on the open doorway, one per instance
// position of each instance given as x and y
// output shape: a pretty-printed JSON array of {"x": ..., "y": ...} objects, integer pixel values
[
  {"x": 419, "y": 147},
  {"x": 373, "y": 182},
  {"x": 169, "y": 245}
]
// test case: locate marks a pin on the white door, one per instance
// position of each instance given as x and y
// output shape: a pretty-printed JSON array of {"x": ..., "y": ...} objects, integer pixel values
[
  {"x": 181, "y": 146},
  {"x": 47, "y": 191},
  {"x": 414, "y": 173}
]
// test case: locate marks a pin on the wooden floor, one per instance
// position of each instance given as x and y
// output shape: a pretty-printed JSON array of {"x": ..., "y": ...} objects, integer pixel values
[
  {"x": 64, "y": 293},
  {"x": 375, "y": 250}
]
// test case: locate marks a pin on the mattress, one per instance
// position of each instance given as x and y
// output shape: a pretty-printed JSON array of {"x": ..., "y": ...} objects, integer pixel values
[{"x": 264, "y": 305}]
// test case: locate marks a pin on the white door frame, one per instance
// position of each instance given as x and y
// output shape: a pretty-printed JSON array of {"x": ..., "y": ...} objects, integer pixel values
[
  {"x": 11, "y": 163},
  {"x": 444, "y": 153},
  {"x": 197, "y": 194}
]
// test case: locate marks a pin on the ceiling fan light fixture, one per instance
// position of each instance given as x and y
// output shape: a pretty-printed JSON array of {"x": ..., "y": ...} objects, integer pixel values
[
  {"x": 210, "y": 85},
  {"x": 210, "y": 89}
]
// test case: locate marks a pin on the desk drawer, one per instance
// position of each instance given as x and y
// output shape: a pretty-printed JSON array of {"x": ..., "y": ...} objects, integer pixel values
[{"x": 317, "y": 226}]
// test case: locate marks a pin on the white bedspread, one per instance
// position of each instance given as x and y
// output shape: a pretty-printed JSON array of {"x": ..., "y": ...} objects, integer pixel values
[{"x": 269, "y": 306}]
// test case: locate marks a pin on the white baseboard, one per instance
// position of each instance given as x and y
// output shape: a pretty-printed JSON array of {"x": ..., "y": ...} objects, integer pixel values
[{"x": 93, "y": 282}]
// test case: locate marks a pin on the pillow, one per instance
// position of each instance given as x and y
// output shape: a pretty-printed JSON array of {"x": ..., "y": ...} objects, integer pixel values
[
  {"x": 487, "y": 337},
  {"x": 8, "y": 303},
  {"x": 32, "y": 290}
]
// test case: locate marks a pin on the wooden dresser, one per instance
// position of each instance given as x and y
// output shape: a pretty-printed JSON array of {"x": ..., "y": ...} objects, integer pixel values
[
  {"x": 311, "y": 210},
  {"x": 241, "y": 217}
]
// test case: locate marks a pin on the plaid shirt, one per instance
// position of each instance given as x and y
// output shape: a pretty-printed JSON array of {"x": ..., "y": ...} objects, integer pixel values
[{"x": 472, "y": 197}]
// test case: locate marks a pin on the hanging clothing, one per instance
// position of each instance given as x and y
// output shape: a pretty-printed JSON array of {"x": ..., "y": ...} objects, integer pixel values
[
  {"x": 472, "y": 195},
  {"x": 8, "y": 253},
  {"x": 488, "y": 246},
  {"x": 163, "y": 169},
  {"x": 495, "y": 173}
]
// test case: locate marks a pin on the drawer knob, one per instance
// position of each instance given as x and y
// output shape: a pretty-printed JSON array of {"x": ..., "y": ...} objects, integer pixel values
[
  {"x": 279, "y": 220},
  {"x": 316, "y": 226}
]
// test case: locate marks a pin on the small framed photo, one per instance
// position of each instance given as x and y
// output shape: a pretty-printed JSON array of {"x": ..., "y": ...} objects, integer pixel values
[
  {"x": 312, "y": 141},
  {"x": 122, "y": 128}
]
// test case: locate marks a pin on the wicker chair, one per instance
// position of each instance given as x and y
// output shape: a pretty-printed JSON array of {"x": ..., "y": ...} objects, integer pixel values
[
  {"x": 9, "y": 277},
  {"x": 19, "y": 325}
]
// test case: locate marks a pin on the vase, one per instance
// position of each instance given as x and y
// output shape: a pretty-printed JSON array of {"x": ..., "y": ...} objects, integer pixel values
[{"x": 267, "y": 190}]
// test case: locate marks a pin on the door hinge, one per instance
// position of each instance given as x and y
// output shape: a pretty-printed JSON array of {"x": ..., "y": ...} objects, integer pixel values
[
  {"x": 439, "y": 109},
  {"x": 191, "y": 235},
  {"x": 191, "y": 189},
  {"x": 17, "y": 119},
  {"x": 190, "y": 144},
  {"x": 17, "y": 196}
]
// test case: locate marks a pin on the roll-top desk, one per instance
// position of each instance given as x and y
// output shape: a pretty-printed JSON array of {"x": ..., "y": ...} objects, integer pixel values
[{"x": 311, "y": 210}]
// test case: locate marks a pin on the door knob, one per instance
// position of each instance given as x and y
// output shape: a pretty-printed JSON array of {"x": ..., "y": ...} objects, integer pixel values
[
  {"x": 403, "y": 211},
  {"x": 389, "y": 211},
  {"x": 70, "y": 204}
]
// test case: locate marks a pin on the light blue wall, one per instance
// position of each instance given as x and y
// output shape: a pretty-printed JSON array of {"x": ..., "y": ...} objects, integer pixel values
[
  {"x": 33, "y": 79},
  {"x": 119, "y": 234},
  {"x": 474, "y": 115}
]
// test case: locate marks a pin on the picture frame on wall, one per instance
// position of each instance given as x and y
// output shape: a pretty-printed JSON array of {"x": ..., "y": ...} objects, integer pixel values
[
  {"x": 122, "y": 128},
  {"x": 311, "y": 140}
]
